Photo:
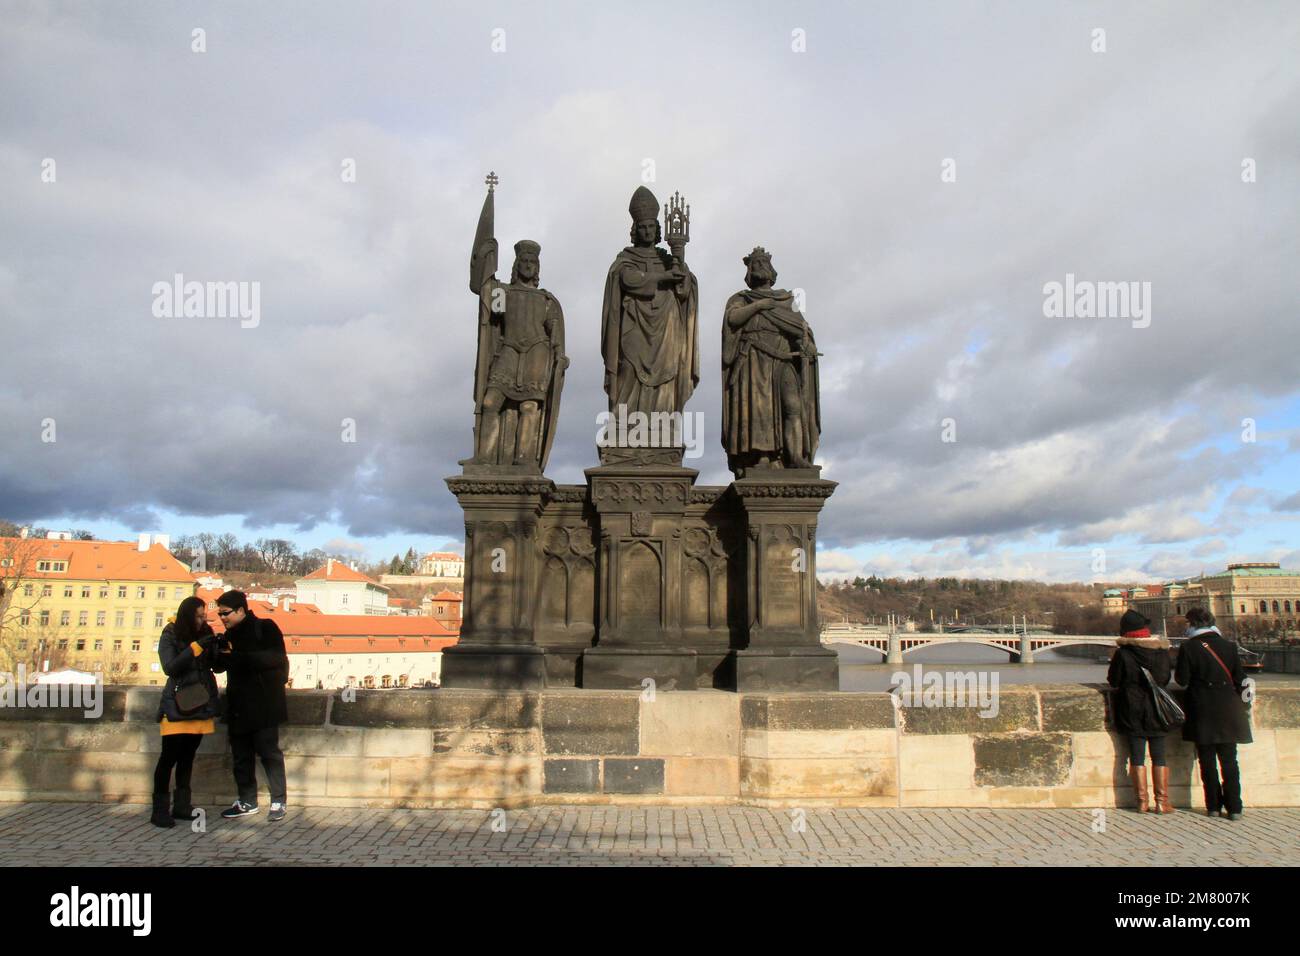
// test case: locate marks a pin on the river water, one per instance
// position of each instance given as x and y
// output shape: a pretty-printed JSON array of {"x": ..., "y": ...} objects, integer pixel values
[{"x": 862, "y": 669}]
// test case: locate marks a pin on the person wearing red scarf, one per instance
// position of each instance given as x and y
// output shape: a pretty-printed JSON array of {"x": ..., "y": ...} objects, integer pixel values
[{"x": 1134, "y": 711}]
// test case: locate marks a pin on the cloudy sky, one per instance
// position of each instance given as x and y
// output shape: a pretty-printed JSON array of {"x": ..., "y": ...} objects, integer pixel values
[{"x": 822, "y": 133}]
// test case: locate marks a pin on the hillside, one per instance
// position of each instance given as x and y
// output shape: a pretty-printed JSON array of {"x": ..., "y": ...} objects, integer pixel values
[{"x": 1070, "y": 608}]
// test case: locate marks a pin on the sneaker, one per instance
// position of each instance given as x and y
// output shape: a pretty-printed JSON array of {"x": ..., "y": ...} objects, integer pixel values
[
  {"x": 277, "y": 812},
  {"x": 239, "y": 809}
]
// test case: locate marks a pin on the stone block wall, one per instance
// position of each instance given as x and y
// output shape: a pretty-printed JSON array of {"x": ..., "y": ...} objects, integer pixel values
[{"x": 1048, "y": 746}]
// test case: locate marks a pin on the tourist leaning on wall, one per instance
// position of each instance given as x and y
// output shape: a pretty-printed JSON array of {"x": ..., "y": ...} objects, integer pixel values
[
  {"x": 1217, "y": 719},
  {"x": 1134, "y": 708},
  {"x": 185, "y": 651}
]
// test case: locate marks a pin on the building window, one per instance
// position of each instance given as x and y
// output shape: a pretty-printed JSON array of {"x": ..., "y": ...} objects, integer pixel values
[
  {"x": 1287, "y": 605},
  {"x": 85, "y": 591},
  {"x": 65, "y": 618},
  {"x": 1275, "y": 609},
  {"x": 22, "y": 643},
  {"x": 137, "y": 619},
  {"x": 117, "y": 645},
  {"x": 103, "y": 591},
  {"x": 81, "y": 644},
  {"x": 119, "y": 618},
  {"x": 99, "y": 644},
  {"x": 139, "y": 592},
  {"x": 101, "y": 618},
  {"x": 180, "y": 593},
  {"x": 121, "y": 590},
  {"x": 162, "y": 594},
  {"x": 46, "y": 591},
  {"x": 67, "y": 590},
  {"x": 134, "y": 668},
  {"x": 158, "y": 619},
  {"x": 63, "y": 643},
  {"x": 83, "y": 618},
  {"x": 155, "y": 646},
  {"x": 135, "y": 647},
  {"x": 27, "y": 590},
  {"x": 51, "y": 565},
  {"x": 345, "y": 599},
  {"x": 45, "y": 618},
  {"x": 1263, "y": 607},
  {"x": 25, "y": 618},
  {"x": 1243, "y": 609}
]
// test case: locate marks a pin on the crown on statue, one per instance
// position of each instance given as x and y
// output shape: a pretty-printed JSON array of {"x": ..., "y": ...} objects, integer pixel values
[
  {"x": 643, "y": 205},
  {"x": 758, "y": 255},
  {"x": 527, "y": 247}
]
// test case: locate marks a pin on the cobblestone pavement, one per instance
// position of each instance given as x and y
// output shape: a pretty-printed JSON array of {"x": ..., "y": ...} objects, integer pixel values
[{"x": 67, "y": 834}]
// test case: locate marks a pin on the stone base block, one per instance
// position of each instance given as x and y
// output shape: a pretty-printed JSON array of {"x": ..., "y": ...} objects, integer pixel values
[
  {"x": 618, "y": 668},
  {"x": 494, "y": 667},
  {"x": 793, "y": 668}
]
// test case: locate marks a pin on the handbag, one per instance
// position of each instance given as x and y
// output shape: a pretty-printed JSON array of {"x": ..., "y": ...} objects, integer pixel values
[
  {"x": 1168, "y": 712},
  {"x": 191, "y": 696}
]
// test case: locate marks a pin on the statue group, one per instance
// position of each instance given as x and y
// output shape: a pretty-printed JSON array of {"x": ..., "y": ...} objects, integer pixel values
[{"x": 640, "y": 575}]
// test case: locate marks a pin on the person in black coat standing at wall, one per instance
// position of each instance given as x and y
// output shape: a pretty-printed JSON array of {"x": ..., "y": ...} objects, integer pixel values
[
  {"x": 1134, "y": 710},
  {"x": 1217, "y": 720},
  {"x": 257, "y": 668},
  {"x": 185, "y": 653}
]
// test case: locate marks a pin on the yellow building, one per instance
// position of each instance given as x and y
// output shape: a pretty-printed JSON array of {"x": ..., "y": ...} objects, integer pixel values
[
  {"x": 96, "y": 606},
  {"x": 1249, "y": 600}
]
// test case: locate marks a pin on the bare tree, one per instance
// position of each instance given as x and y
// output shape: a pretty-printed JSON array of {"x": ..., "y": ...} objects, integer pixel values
[{"x": 20, "y": 595}]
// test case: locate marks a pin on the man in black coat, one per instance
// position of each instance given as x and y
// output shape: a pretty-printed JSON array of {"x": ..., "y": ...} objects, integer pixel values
[
  {"x": 257, "y": 668},
  {"x": 1217, "y": 720}
]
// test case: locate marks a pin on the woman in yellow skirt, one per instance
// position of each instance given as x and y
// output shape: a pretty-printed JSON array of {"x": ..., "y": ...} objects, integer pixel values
[{"x": 186, "y": 650}]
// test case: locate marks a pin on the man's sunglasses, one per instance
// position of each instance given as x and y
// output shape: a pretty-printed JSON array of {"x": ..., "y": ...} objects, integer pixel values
[{"x": 227, "y": 611}]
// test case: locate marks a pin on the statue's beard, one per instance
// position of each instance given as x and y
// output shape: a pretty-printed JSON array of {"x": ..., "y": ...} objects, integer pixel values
[{"x": 517, "y": 279}]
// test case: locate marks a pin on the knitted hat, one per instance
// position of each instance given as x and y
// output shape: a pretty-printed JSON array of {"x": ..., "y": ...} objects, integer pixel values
[{"x": 1132, "y": 621}]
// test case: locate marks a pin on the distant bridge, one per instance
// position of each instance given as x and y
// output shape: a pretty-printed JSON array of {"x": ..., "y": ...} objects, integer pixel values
[{"x": 1020, "y": 647}]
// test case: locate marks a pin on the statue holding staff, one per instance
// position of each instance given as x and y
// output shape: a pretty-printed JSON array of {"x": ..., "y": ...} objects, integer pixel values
[{"x": 649, "y": 336}]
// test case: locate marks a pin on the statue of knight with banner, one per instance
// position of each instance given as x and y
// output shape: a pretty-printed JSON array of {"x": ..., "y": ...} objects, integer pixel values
[{"x": 520, "y": 368}]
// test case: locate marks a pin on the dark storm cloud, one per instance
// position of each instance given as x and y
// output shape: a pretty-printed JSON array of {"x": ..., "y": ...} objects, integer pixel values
[{"x": 925, "y": 296}]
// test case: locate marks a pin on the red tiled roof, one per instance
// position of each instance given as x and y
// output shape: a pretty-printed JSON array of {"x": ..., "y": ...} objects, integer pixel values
[
  {"x": 364, "y": 645},
  {"x": 445, "y": 595},
  {"x": 338, "y": 571},
  {"x": 94, "y": 560},
  {"x": 359, "y": 626}
]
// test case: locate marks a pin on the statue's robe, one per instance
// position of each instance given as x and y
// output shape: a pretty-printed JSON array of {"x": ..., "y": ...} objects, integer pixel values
[
  {"x": 649, "y": 336},
  {"x": 755, "y": 356}
]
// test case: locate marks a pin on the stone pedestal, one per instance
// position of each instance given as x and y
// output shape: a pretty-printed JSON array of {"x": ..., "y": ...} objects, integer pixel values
[
  {"x": 497, "y": 647},
  {"x": 784, "y": 649},
  {"x": 640, "y": 509}
]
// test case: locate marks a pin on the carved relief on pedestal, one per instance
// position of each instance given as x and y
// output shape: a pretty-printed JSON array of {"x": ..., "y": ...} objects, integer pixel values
[{"x": 568, "y": 578}]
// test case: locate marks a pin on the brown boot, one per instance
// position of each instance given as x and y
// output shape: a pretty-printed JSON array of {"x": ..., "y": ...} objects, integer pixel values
[
  {"x": 1138, "y": 775},
  {"x": 1160, "y": 784}
]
